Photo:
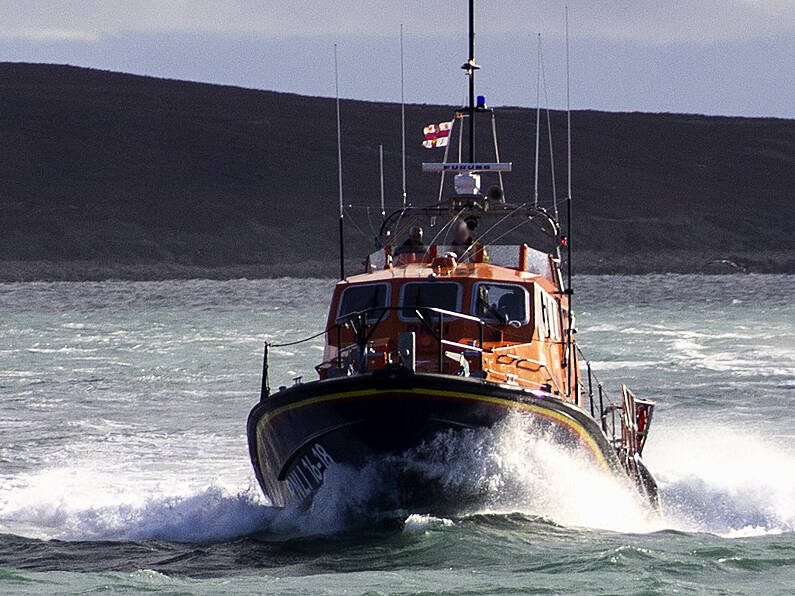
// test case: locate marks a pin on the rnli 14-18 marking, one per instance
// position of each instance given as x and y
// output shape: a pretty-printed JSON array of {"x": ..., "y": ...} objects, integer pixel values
[{"x": 307, "y": 474}]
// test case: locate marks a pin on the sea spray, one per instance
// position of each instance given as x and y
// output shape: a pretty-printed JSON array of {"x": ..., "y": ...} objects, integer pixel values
[
  {"x": 206, "y": 515},
  {"x": 724, "y": 480},
  {"x": 742, "y": 485},
  {"x": 517, "y": 467},
  {"x": 512, "y": 467}
]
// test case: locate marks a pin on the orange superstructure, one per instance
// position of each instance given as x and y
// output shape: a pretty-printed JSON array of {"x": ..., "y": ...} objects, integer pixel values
[{"x": 523, "y": 343}]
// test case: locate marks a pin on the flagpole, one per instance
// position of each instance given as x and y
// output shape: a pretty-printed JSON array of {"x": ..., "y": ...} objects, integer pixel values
[{"x": 339, "y": 165}]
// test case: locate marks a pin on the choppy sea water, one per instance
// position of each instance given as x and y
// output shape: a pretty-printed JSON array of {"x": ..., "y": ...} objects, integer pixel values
[{"x": 124, "y": 466}]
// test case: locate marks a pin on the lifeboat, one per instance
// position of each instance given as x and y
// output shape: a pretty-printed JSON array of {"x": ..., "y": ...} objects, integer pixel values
[
  {"x": 444, "y": 340},
  {"x": 460, "y": 320}
]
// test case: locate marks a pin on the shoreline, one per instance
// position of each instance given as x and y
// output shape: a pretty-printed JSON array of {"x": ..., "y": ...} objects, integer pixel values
[{"x": 586, "y": 263}]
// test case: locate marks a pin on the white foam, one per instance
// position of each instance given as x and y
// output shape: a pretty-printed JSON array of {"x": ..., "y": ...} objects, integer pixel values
[
  {"x": 419, "y": 524},
  {"x": 80, "y": 503},
  {"x": 723, "y": 480},
  {"x": 610, "y": 365},
  {"x": 516, "y": 468},
  {"x": 713, "y": 479}
]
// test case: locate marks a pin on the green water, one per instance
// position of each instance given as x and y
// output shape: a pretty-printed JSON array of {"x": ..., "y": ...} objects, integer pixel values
[{"x": 124, "y": 466}]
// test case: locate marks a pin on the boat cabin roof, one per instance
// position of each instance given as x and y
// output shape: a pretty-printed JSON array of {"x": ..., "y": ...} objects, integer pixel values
[{"x": 467, "y": 273}]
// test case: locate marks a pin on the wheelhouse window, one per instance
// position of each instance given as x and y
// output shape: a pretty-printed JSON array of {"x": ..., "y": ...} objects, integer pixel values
[
  {"x": 549, "y": 317},
  {"x": 501, "y": 302},
  {"x": 363, "y": 297},
  {"x": 443, "y": 295}
]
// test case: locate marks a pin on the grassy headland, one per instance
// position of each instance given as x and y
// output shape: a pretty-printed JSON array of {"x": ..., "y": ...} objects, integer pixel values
[{"x": 109, "y": 175}]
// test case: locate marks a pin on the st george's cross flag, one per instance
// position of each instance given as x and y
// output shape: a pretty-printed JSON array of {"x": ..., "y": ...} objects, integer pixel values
[{"x": 437, "y": 135}]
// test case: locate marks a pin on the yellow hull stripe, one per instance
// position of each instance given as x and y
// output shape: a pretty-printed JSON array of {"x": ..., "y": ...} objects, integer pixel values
[{"x": 563, "y": 419}]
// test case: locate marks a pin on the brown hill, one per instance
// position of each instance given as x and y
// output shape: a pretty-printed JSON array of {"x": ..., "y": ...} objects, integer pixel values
[{"x": 108, "y": 174}]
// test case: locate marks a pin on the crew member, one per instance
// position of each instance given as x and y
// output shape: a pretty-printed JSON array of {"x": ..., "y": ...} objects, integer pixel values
[
  {"x": 406, "y": 252},
  {"x": 463, "y": 246}
]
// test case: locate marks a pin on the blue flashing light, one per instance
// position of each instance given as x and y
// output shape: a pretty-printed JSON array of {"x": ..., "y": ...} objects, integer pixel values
[{"x": 481, "y": 101}]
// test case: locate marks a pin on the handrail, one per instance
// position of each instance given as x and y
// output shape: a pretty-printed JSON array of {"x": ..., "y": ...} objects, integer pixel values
[
  {"x": 538, "y": 363},
  {"x": 456, "y": 344},
  {"x": 433, "y": 309},
  {"x": 537, "y": 216},
  {"x": 358, "y": 316},
  {"x": 529, "y": 381},
  {"x": 622, "y": 438},
  {"x": 419, "y": 311},
  {"x": 602, "y": 393},
  {"x": 617, "y": 437},
  {"x": 355, "y": 318},
  {"x": 363, "y": 328}
]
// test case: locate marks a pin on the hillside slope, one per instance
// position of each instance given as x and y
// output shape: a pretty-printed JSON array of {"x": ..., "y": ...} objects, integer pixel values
[{"x": 124, "y": 174}]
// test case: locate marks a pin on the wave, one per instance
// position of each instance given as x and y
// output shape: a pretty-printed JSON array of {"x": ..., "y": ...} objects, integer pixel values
[
  {"x": 724, "y": 480},
  {"x": 212, "y": 514},
  {"x": 612, "y": 365},
  {"x": 714, "y": 480}
]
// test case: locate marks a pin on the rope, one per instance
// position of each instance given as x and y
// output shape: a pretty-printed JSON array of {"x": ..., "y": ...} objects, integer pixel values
[
  {"x": 353, "y": 223},
  {"x": 442, "y": 229},
  {"x": 516, "y": 227},
  {"x": 299, "y": 341},
  {"x": 367, "y": 209},
  {"x": 498, "y": 222},
  {"x": 370, "y": 223}
]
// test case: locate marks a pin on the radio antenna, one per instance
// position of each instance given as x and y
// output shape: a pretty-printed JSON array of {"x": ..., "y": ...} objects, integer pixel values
[
  {"x": 569, "y": 290},
  {"x": 549, "y": 136},
  {"x": 339, "y": 165},
  {"x": 538, "y": 119},
  {"x": 381, "y": 170},
  {"x": 402, "y": 118}
]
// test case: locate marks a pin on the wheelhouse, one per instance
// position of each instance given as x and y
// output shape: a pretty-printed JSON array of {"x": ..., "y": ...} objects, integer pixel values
[{"x": 496, "y": 322}]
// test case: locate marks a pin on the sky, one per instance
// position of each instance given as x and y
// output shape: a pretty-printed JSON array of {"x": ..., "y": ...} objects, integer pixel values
[{"x": 722, "y": 57}]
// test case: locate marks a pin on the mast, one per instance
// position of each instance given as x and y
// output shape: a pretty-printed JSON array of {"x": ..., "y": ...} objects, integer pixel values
[
  {"x": 470, "y": 67},
  {"x": 471, "y": 81},
  {"x": 339, "y": 165}
]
